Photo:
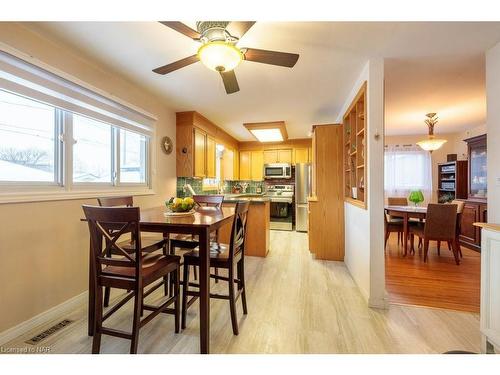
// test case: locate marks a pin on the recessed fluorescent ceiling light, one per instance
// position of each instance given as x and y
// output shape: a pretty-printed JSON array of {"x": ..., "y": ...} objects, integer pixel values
[{"x": 267, "y": 135}]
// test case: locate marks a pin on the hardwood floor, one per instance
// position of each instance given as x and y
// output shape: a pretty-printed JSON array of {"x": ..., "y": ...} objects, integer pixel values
[
  {"x": 437, "y": 283},
  {"x": 295, "y": 305}
]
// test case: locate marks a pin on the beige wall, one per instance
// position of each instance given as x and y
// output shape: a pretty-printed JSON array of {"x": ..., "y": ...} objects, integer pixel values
[
  {"x": 455, "y": 145},
  {"x": 44, "y": 246}
]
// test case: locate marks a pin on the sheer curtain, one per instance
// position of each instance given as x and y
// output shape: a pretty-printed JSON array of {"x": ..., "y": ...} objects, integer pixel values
[{"x": 407, "y": 167}]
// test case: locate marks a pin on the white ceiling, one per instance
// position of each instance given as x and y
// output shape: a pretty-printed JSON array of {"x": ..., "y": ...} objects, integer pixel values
[{"x": 430, "y": 67}]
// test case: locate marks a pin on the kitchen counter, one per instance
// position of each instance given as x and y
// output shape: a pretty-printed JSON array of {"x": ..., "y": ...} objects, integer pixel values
[
  {"x": 258, "y": 224},
  {"x": 253, "y": 198}
]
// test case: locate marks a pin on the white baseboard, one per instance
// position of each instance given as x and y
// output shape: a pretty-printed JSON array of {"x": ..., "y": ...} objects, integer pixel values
[{"x": 42, "y": 318}]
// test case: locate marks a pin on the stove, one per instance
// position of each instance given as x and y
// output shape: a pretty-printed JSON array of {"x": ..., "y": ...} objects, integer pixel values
[{"x": 281, "y": 197}]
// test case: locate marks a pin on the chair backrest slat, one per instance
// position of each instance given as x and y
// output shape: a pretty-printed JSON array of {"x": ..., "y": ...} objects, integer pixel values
[
  {"x": 397, "y": 201},
  {"x": 209, "y": 200},
  {"x": 239, "y": 228},
  {"x": 108, "y": 224},
  {"x": 125, "y": 201}
]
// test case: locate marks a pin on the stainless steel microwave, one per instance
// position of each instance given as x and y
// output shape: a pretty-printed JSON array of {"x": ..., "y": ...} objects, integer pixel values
[{"x": 278, "y": 170}]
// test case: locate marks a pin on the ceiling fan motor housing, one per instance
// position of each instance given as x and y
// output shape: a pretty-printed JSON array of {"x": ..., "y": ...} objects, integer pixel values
[{"x": 212, "y": 31}]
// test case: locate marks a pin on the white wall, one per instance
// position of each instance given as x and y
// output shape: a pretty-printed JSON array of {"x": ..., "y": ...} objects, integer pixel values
[
  {"x": 493, "y": 125},
  {"x": 364, "y": 244},
  {"x": 43, "y": 245}
]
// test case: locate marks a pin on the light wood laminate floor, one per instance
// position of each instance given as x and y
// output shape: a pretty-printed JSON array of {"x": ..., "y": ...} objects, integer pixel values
[
  {"x": 296, "y": 305},
  {"x": 437, "y": 283}
]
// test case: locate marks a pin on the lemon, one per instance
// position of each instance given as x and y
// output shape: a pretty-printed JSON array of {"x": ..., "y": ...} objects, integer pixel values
[
  {"x": 177, "y": 201},
  {"x": 188, "y": 200}
]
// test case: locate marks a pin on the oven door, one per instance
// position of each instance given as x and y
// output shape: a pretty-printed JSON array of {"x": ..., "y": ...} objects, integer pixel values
[{"x": 281, "y": 215}]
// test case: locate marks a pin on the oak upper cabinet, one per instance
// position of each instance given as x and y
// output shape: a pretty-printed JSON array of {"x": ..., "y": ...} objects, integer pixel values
[
  {"x": 196, "y": 146},
  {"x": 199, "y": 153},
  {"x": 211, "y": 156},
  {"x": 270, "y": 156},
  {"x": 301, "y": 155},
  {"x": 278, "y": 156},
  {"x": 227, "y": 165},
  {"x": 245, "y": 165},
  {"x": 251, "y": 165},
  {"x": 257, "y": 166},
  {"x": 285, "y": 156}
]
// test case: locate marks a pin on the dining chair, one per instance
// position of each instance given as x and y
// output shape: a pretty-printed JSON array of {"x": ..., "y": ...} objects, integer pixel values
[
  {"x": 397, "y": 201},
  {"x": 229, "y": 256},
  {"x": 440, "y": 225},
  {"x": 392, "y": 226},
  {"x": 460, "y": 210},
  {"x": 149, "y": 244},
  {"x": 189, "y": 242},
  {"x": 131, "y": 271}
]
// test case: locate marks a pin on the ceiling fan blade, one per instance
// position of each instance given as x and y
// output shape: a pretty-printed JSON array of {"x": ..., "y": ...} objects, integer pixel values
[
  {"x": 182, "y": 28},
  {"x": 230, "y": 82},
  {"x": 271, "y": 57},
  {"x": 176, "y": 65},
  {"x": 239, "y": 28}
]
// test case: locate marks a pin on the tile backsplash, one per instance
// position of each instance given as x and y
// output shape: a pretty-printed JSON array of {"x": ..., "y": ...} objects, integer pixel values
[{"x": 197, "y": 185}]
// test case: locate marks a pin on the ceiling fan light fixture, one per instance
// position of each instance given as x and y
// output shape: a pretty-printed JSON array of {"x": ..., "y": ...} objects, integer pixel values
[{"x": 220, "y": 56}]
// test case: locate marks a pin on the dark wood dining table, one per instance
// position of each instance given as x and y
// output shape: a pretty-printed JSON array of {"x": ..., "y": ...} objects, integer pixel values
[
  {"x": 204, "y": 221},
  {"x": 406, "y": 213}
]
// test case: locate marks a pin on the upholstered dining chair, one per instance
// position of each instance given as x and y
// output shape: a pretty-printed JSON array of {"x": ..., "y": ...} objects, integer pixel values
[
  {"x": 131, "y": 271},
  {"x": 397, "y": 201},
  {"x": 440, "y": 225},
  {"x": 392, "y": 226},
  {"x": 460, "y": 210},
  {"x": 229, "y": 256}
]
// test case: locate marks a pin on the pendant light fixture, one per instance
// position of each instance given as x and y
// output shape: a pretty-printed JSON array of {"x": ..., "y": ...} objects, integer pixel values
[{"x": 431, "y": 143}]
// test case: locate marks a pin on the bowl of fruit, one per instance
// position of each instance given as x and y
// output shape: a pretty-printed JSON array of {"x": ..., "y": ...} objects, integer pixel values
[{"x": 179, "y": 206}]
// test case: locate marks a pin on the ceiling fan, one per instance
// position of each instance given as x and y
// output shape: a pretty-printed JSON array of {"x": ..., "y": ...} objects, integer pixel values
[{"x": 219, "y": 50}]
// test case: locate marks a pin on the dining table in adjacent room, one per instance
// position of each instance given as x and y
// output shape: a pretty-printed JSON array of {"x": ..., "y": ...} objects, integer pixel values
[
  {"x": 201, "y": 223},
  {"x": 406, "y": 213}
]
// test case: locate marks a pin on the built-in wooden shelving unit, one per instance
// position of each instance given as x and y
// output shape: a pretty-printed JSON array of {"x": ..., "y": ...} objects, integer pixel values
[{"x": 355, "y": 183}]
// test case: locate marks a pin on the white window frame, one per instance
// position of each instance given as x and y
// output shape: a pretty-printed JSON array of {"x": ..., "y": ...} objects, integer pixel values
[{"x": 63, "y": 187}]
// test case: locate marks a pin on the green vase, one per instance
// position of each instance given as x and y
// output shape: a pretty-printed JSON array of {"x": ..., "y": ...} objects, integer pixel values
[{"x": 416, "y": 196}]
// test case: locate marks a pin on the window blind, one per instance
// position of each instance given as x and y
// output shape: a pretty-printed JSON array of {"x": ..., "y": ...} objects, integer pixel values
[{"x": 23, "y": 78}]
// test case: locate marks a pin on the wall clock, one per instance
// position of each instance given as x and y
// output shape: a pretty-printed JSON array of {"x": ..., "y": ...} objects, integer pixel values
[{"x": 167, "y": 145}]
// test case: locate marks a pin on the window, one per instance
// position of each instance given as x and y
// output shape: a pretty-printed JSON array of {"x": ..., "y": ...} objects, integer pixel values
[
  {"x": 92, "y": 151},
  {"x": 27, "y": 140},
  {"x": 59, "y": 136},
  {"x": 133, "y": 154},
  {"x": 407, "y": 168}
]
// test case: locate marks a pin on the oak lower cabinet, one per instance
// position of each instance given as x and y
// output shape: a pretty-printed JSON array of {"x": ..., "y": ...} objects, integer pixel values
[
  {"x": 474, "y": 212},
  {"x": 326, "y": 206},
  {"x": 258, "y": 228}
]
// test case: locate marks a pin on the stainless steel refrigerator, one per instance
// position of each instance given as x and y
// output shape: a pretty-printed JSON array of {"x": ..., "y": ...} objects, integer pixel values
[{"x": 302, "y": 191}]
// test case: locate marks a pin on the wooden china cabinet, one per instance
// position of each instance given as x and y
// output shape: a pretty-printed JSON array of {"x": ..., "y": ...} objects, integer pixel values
[{"x": 475, "y": 208}]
